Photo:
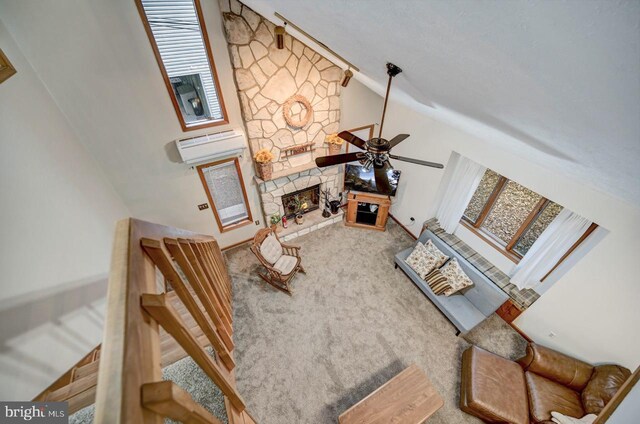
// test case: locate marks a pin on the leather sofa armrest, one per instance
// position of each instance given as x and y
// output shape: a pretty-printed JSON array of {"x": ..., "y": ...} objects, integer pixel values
[{"x": 556, "y": 366}]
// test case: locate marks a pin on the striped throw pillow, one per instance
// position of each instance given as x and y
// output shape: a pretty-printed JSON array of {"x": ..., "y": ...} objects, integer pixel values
[{"x": 437, "y": 282}]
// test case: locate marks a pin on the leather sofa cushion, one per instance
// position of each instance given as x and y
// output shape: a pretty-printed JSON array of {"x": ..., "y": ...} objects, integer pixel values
[
  {"x": 493, "y": 388},
  {"x": 604, "y": 383},
  {"x": 556, "y": 366},
  {"x": 546, "y": 395}
]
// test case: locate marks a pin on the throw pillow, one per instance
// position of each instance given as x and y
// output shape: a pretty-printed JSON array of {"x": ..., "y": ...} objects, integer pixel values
[
  {"x": 437, "y": 282},
  {"x": 442, "y": 258},
  {"x": 559, "y": 418},
  {"x": 458, "y": 280},
  {"x": 270, "y": 249},
  {"x": 421, "y": 261}
]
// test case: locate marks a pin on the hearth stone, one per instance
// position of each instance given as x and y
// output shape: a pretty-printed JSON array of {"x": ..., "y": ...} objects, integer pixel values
[{"x": 312, "y": 221}]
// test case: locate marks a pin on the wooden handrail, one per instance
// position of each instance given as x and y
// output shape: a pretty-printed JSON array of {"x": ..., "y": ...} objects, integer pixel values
[
  {"x": 130, "y": 387},
  {"x": 169, "y": 400}
]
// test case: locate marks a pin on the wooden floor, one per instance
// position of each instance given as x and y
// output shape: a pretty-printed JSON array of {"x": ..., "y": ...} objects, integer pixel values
[{"x": 78, "y": 385}]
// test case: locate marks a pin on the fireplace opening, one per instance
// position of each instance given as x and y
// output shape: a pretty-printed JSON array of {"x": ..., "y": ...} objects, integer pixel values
[{"x": 301, "y": 201}]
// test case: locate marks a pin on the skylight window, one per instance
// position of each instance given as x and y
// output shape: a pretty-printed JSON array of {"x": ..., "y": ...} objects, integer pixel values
[{"x": 180, "y": 42}]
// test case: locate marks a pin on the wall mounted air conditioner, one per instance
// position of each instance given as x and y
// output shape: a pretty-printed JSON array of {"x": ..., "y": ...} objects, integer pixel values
[{"x": 211, "y": 146}]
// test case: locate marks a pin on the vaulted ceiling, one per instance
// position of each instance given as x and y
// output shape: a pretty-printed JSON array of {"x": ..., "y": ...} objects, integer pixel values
[{"x": 559, "y": 79}]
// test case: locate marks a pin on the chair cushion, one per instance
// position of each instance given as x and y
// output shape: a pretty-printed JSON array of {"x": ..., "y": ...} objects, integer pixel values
[
  {"x": 604, "y": 383},
  {"x": 493, "y": 388},
  {"x": 546, "y": 396},
  {"x": 285, "y": 264},
  {"x": 270, "y": 249}
]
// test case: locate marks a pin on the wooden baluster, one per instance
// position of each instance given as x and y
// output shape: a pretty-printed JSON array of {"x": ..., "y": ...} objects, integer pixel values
[
  {"x": 194, "y": 274},
  {"x": 219, "y": 259},
  {"x": 157, "y": 253},
  {"x": 215, "y": 267},
  {"x": 161, "y": 310},
  {"x": 212, "y": 279},
  {"x": 204, "y": 279},
  {"x": 169, "y": 400}
]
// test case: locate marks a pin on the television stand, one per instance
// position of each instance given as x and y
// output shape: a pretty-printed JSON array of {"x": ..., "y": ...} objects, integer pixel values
[{"x": 366, "y": 210}]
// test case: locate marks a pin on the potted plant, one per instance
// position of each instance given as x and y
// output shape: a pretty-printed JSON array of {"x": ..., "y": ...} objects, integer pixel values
[
  {"x": 300, "y": 211},
  {"x": 275, "y": 220},
  {"x": 335, "y": 143},
  {"x": 263, "y": 158}
]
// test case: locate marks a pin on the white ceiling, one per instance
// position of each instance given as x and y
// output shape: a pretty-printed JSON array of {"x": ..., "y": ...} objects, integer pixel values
[{"x": 556, "y": 81}]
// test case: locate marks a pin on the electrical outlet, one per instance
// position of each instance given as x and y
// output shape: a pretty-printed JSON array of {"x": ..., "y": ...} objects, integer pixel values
[
  {"x": 257, "y": 221},
  {"x": 203, "y": 206}
]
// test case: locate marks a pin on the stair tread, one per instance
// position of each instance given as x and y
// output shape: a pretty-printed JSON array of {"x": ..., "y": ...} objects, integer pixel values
[
  {"x": 86, "y": 370},
  {"x": 73, "y": 388}
]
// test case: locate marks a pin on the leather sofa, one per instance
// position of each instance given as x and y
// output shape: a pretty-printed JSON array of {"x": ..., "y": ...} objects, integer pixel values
[{"x": 498, "y": 390}]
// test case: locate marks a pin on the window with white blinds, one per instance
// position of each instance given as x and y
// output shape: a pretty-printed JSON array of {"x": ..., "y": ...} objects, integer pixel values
[
  {"x": 226, "y": 193},
  {"x": 179, "y": 38}
]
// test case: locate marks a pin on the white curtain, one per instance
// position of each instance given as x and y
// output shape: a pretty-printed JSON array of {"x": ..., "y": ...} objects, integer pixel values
[
  {"x": 464, "y": 180},
  {"x": 547, "y": 250}
]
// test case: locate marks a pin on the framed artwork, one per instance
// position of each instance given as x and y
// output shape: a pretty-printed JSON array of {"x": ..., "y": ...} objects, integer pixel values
[{"x": 6, "y": 68}]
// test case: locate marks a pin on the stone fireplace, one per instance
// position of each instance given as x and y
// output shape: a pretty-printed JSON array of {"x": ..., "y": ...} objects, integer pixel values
[
  {"x": 273, "y": 195},
  {"x": 290, "y": 102},
  {"x": 301, "y": 201}
]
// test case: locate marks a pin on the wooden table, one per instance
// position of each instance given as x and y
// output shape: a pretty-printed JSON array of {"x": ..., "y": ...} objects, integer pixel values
[{"x": 408, "y": 398}]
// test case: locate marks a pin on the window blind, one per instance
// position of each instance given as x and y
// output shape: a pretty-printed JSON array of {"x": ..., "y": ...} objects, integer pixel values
[
  {"x": 178, "y": 36},
  {"x": 226, "y": 191}
]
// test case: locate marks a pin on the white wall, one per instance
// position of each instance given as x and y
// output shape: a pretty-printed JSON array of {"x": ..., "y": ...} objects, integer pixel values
[
  {"x": 593, "y": 307},
  {"x": 57, "y": 219},
  {"x": 359, "y": 106},
  {"x": 98, "y": 64}
]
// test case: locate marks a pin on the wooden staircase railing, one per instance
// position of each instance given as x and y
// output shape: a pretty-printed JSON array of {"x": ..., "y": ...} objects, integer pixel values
[{"x": 197, "y": 312}]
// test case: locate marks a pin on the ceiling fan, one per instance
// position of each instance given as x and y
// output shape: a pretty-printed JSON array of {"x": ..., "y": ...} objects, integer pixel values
[{"x": 377, "y": 151}]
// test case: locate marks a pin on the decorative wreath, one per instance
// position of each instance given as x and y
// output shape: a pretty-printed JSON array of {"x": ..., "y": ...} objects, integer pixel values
[{"x": 286, "y": 111}]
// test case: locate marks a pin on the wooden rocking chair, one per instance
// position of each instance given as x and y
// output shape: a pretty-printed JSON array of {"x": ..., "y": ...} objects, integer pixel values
[{"x": 282, "y": 263}]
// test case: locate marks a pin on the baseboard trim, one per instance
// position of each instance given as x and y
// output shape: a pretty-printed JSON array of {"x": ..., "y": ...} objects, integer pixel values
[
  {"x": 403, "y": 227},
  {"x": 519, "y": 331},
  {"x": 231, "y": 246}
]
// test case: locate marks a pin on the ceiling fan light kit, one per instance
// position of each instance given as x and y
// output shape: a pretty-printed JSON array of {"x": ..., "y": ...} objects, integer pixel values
[{"x": 377, "y": 151}]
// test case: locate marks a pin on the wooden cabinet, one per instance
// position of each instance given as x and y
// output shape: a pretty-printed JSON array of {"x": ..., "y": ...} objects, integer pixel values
[
  {"x": 509, "y": 311},
  {"x": 366, "y": 210}
]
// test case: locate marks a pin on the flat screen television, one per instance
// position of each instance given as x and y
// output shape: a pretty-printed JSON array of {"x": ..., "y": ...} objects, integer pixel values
[{"x": 357, "y": 178}]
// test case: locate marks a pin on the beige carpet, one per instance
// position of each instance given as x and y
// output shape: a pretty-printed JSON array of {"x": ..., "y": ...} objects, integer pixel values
[{"x": 352, "y": 323}]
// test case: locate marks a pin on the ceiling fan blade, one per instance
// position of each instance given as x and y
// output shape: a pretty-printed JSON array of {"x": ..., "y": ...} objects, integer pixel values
[
  {"x": 418, "y": 161},
  {"x": 382, "y": 179},
  {"x": 338, "y": 159},
  {"x": 397, "y": 139},
  {"x": 356, "y": 141}
]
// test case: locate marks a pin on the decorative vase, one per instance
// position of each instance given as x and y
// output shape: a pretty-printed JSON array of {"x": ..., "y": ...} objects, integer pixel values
[
  {"x": 299, "y": 219},
  {"x": 334, "y": 149},
  {"x": 265, "y": 170}
]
